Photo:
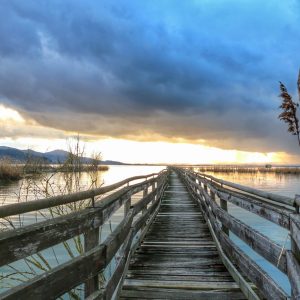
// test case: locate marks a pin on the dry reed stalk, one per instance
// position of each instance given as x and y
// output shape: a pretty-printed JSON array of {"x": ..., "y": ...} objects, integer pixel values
[{"x": 289, "y": 109}]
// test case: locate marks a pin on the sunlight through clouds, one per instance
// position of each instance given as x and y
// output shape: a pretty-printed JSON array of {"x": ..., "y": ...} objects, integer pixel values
[{"x": 10, "y": 115}]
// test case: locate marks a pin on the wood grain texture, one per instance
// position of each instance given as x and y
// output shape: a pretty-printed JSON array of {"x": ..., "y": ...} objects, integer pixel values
[{"x": 177, "y": 258}]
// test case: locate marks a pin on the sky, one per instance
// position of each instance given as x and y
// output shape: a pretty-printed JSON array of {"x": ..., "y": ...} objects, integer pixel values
[{"x": 150, "y": 81}]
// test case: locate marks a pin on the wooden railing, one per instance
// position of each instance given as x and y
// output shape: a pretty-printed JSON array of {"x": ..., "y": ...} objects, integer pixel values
[
  {"x": 283, "y": 211},
  {"x": 85, "y": 268}
]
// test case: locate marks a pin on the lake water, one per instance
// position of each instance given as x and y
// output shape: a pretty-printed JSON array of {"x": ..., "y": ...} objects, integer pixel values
[{"x": 37, "y": 187}]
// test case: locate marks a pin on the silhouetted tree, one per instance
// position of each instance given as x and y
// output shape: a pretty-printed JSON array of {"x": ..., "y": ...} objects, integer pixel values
[{"x": 289, "y": 109}]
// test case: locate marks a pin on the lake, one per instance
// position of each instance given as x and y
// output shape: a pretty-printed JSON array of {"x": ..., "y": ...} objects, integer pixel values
[{"x": 50, "y": 184}]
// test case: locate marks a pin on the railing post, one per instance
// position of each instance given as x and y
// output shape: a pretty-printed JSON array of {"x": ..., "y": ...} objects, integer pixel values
[
  {"x": 153, "y": 186},
  {"x": 212, "y": 195},
  {"x": 295, "y": 232},
  {"x": 153, "y": 189},
  {"x": 223, "y": 204},
  {"x": 293, "y": 261},
  {"x": 127, "y": 206},
  {"x": 145, "y": 191},
  {"x": 144, "y": 210},
  {"x": 195, "y": 189},
  {"x": 91, "y": 240}
]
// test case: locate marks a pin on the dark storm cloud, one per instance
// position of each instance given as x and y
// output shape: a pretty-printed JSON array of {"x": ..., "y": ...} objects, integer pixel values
[{"x": 188, "y": 69}]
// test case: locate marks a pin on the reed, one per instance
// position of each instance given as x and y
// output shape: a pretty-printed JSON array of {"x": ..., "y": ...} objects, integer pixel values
[
  {"x": 249, "y": 170},
  {"x": 9, "y": 170},
  {"x": 289, "y": 109}
]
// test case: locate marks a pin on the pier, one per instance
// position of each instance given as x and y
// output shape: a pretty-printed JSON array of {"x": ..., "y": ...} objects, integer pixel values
[{"x": 173, "y": 243}]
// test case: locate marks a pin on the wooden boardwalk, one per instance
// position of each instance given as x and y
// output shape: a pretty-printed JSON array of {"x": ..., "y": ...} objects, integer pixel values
[
  {"x": 178, "y": 258},
  {"x": 172, "y": 243}
]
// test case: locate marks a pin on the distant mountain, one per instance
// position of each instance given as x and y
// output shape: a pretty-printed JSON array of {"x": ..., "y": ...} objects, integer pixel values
[
  {"x": 51, "y": 157},
  {"x": 57, "y": 156},
  {"x": 21, "y": 155}
]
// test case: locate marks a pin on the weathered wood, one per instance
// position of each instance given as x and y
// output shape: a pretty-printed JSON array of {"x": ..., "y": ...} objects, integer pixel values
[
  {"x": 25, "y": 241},
  {"x": 257, "y": 241},
  {"x": 63, "y": 278},
  {"x": 118, "y": 236},
  {"x": 152, "y": 211},
  {"x": 295, "y": 235},
  {"x": 293, "y": 268},
  {"x": 271, "y": 196},
  {"x": 20, "y": 208},
  {"x": 190, "y": 285},
  {"x": 176, "y": 242},
  {"x": 223, "y": 204},
  {"x": 143, "y": 202},
  {"x": 98, "y": 295},
  {"x": 91, "y": 240},
  {"x": 243, "y": 284},
  {"x": 275, "y": 215},
  {"x": 179, "y": 294},
  {"x": 113, "y": 282},
  {"x": 142, "y": 220},
  {"x": 270, "y": 211},
  {"x": 260, "y": 278},
  {"x": 177, "y": 257},
  {"x": 127, "y": 205}
]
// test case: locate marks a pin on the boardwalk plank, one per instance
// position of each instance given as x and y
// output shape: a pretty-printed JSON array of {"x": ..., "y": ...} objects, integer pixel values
[{"x": 178, "y": 258}]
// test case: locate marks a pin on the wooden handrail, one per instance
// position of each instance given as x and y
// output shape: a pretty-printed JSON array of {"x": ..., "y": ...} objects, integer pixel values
[
  {"x": 273, "y": 212},
  {"x": 204, "y": 188},
  {"x": 24, "y": 207},
  {"x": 63, "y": 278},
  {"x": 271, "y": 196}
]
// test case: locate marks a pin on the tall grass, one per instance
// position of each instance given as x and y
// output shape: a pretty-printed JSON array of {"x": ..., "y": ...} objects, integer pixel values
[
  {"x": 9, "y": 170},
  {"x": 252, "y": 170},
  {"x": 75, "y": 162}
]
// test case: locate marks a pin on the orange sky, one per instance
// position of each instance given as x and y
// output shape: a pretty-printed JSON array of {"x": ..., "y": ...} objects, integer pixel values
[{"x": 28, "y": 134}]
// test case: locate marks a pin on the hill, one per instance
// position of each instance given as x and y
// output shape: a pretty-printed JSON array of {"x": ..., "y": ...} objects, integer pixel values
[{"x": 51, "y": 157}]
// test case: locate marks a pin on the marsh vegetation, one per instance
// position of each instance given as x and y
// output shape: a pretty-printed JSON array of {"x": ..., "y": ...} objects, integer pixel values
[
  {"x": 75, "y": 161},
  {"x": 250, "y": 170}
]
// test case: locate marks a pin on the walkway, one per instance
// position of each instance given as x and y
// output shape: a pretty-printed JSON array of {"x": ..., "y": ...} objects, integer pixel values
[{"x": 177, "y": 258}]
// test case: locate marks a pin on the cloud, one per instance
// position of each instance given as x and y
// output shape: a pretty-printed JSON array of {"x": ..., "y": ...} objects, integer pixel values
[{"x": 193, "y": 70}]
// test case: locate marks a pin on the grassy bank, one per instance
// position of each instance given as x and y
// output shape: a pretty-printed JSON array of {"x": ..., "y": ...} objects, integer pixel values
[
  {"x": 83, "y": 168},
  {"x": 241, "y": 169},
  {"x": 10, "y": 170}
]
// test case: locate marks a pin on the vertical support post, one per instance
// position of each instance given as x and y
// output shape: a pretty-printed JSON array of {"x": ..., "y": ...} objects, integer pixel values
[
  {"x": 205, "y": 187},
  {"x": 293, "y": 261},
  {"x": 223, "y": 204},
  {"x": 212, "y": 195},
  {"x": 195, "y": 189},
  {"x": 127, "y": 206},
  {"x": 295, "y": 230},
  {"x": 153, "y": 186},
  {"x": 153, "y": 189},
  {"x": 91, "y": 240},
  {"x": 145, "y": 193}
]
